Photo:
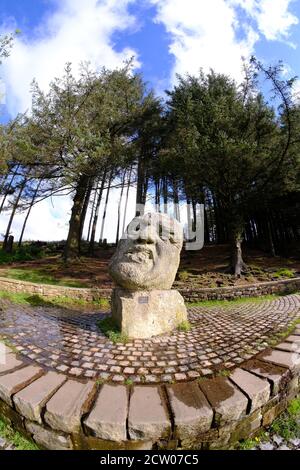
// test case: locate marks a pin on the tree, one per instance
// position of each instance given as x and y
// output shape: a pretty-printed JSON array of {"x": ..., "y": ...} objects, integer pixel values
[{"x": 228, "y": 139}]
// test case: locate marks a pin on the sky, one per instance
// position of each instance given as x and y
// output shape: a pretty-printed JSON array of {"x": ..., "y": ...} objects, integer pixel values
[{"x": 165, "y": 37}]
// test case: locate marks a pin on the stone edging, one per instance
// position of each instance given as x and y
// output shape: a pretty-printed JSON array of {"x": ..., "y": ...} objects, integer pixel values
[
  {"x": 61, "y": 413},
  {"x": 285, "y": 286}
]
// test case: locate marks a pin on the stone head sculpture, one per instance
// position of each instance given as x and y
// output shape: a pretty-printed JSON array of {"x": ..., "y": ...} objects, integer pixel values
[{"x": 148, "y": 255}]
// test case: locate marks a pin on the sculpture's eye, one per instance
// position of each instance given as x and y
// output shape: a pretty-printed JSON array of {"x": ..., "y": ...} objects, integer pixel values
[{"x": 137, "y": 228}]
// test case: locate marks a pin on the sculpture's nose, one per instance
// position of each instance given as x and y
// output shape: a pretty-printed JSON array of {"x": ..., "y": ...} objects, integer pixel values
[{"x": 147, "y": 234}]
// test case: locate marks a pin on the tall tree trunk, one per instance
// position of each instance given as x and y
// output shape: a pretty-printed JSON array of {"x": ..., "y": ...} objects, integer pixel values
[
  {"x": 15, "y": 206},
  {"x": 270, "y": 239},
  {"x": 71, "y": 250},
  {"x": 105, "y": 207},
  {"x": 119, "y": 209},
  {"x": 157, "y": 195},
  {"x": 96, "y": 214},
  {"x": 126, "y": 201},
  {"x": 165, "y": 195},
  {"x": 189, "y": 219},
  {"x": 9, "y": 188},
  {"x": 142, "y": 187},
  {"x": 92, "y": 213},
  {"x": 237, "y": 265},
  {"x": 84, "y": 211},
  {"x": 176, "y": 200},
  {"x": 28, "y": 213}
]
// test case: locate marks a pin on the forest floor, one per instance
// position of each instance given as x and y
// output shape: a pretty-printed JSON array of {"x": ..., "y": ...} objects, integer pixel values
[{"x": 205, "y": 268}]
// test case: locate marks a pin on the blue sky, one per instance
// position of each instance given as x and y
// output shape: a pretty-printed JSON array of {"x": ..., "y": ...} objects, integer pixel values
[{"x": 166, "y": 37}]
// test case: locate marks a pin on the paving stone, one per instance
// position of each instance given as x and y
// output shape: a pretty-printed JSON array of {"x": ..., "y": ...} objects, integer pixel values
[
  {"x": 258, "y": 390},
  {"x": 229, "y": 403},
  {"x": 289, "y": 347},
  {"x": 8, "y": 360},
  {"x": 275, "y": 374},
  {"x": 107, "y": 420},
  {"x": 266, "y": 446},
  {"x": 282, "y": 358},
  {"x": 192, "y": 412},
  {"x": 48, "y": 438},
  {"x": 31, "y": 400},
  {"x": 277, "y": 439},
  {"x": 65, "y": 409},
  {"x": 13, "y": 382},
  {"x": 3, "y": 443},
  {"x": 295, "y": 442},
  {"x": 148, "y": 418},
  {"x": 216, "y": 341},
  {"x": 293, "y": 339}
]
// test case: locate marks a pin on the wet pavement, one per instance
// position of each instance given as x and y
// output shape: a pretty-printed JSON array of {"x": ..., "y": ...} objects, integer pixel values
[{"x": 220, "y": 338}]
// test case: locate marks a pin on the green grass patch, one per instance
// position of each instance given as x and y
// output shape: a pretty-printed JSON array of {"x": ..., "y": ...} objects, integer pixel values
[
  {"x": 183, "y": 275},
  {"x": 284, "y": 273},
  {"x": 111, "y": 330},
  {"x": 36, "y": 300},
  {"x": 283, "y": 334},
  {"x": 185, "y": 326},
  {"x": 15, "y": 438},
  {"x": 39, "y": 276},
  {"x": 230, "y": 303},
  {"x": 224, "y": 373},
  {"x": 287, "y": 424}
]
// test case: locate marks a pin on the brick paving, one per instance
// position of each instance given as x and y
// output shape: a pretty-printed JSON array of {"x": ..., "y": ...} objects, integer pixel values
[{"x": 220, "y": 338}]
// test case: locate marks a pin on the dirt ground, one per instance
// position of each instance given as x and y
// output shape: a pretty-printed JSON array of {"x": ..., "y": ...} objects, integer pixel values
[{"x": 205, "y": 268}]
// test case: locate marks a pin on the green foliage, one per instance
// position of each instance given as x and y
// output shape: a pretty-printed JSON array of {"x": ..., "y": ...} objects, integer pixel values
[
  {"x": 224, "y": 373},
  {"x": 294, "y": 407},
  {"x": 183, "y": 275},
  {"x": 185, "y": 326},
  {"x": 284, "y": 273},
  {"x": 26, "y": 252},
  {"x": 111, "y": 330},
  {"x": 128, "y": 381},
  {"x": 38, "y": 276},
  {"x": 233, "y": 302},
  {"x": 287, "y": 424},
  {"x": 15, "y": 438},
  {"x": 58, "y": 301}
]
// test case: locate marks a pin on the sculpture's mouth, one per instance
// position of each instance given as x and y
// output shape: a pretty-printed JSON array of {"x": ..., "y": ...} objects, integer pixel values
[{"x": 139, "y": 254}]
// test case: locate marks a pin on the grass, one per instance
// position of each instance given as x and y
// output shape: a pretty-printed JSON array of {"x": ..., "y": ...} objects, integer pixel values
[
  {"x": 39, "y": 276},
  {"x": 287, "y": 424},
  {"x": 15, "y": 438},
  {"x": 283, "y": 334},
  {"x": 284, "y": 273},
  {"x": 230, "y": 303},
  {"x": 8, "y": 344},
  {"x": 110, "y": 329},
  {"x": 224, "y": 373},
  {"x": 185, "y": 326},
  {"x": 59, "y": 301}
]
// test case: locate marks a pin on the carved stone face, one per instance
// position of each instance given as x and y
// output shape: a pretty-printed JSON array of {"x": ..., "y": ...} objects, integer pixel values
[{"x": 148, "y": 255}]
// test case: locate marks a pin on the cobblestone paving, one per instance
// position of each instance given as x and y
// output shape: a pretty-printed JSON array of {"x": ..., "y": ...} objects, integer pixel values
[{"x": 72, "y": 343}]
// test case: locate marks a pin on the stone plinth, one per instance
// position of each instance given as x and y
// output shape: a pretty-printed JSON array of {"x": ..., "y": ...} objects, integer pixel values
[{"x": 142, "y": 314}]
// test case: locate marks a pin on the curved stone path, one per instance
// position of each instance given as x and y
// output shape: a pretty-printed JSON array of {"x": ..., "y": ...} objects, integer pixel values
[{"x": 220, "y": 338}]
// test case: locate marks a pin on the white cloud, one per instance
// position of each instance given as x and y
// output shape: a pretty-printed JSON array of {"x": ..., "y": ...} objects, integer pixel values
[
  {"x": 214, "y": 34},
  {"x": 48, "y": 220},
  {"x": 77, "y": 31},
  {"x": 274, "y": 20}
]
